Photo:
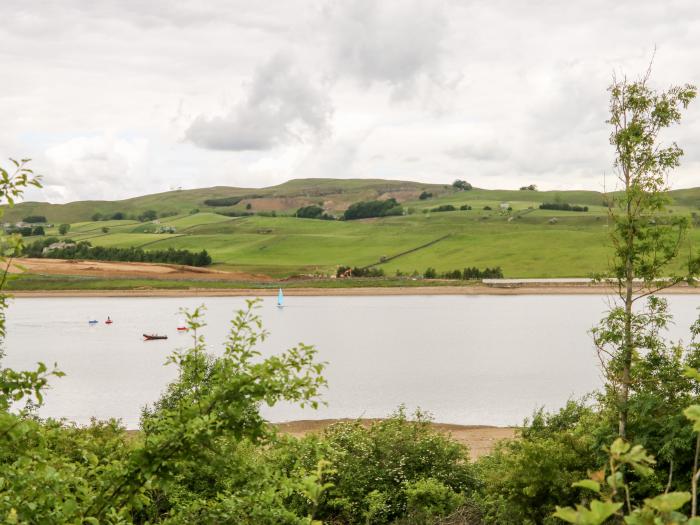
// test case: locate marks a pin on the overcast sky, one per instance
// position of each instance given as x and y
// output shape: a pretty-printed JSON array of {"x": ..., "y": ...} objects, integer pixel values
[{"x": 117, "y": 98}]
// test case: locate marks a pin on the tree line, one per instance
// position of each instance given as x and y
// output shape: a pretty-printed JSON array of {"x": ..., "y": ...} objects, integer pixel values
[
  {"x": 85, "y": 250},
  {"x": 563, "y": 206}
]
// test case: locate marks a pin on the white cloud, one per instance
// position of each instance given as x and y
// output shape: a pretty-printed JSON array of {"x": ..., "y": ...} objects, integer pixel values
[
  {"x": 281, "y": 106},
  {"x": 96, "y": 167}
]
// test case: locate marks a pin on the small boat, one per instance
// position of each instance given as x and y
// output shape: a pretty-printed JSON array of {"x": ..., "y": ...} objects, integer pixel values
[
  {"x": 93, "y": 321},
  {"x": 182, "y": 328},
  {"x": 109, "y": 321},
  {"x": 153, "y": 337},
  {"x": 280, "y": 299}
]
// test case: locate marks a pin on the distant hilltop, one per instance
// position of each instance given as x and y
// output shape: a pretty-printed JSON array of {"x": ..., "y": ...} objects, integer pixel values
[{"x": 333, "y": 195}]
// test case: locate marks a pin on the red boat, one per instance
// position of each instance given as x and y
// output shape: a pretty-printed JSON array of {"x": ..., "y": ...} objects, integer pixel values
[
  {"x": 181, "y": 328},
  {"x": 153, "y": 337}
]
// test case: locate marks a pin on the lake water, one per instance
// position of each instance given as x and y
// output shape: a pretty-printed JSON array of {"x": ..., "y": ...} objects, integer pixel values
[{"x": 466, "y": 359}]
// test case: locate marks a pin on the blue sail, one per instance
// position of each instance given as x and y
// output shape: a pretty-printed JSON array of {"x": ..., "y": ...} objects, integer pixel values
[{"x": 280, "y": 298}]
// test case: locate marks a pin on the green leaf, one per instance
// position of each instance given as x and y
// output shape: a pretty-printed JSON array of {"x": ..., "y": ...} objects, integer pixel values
[
  {"x": 588, "y": 484},
  {"x": 668, "y": 502},
  {"x": 693, "y": 413}
]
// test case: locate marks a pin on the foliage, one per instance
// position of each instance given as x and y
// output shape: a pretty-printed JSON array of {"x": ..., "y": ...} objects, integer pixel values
[
  {"x": 312, "y": 212},
  {"x": 148, "y": 215},
  {"x": 223, "y": 201},
  {"x": 84, "y": 250},
  {"x": 35, "y": 219},
  {"x": 347, "y": 271},
  {"x": 64, "y": 229},
  {"x": 368, "y": 209},
  {"x": 531, "y": 187},
  {"x": 444, "y": 207},
  {"x": 387, "y": 470},
  {"x": 425, "y": 195},
  {"x": 461, "y": 185},
  {"x": 644, "y": 246},
  {"x": 563, "y": 206}
]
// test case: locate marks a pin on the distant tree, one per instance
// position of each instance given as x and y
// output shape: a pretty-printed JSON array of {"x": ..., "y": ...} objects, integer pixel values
[
  {"x": 97, "y": 217},
  {"x": 430, "y": 273},
  {"x": 461, "y": 185},
  {"x": 309, "y": 212},
  {"x": 193, "y": 211},
  {"x": 444, "y": 207},
  {"x": 63, "y": 229},
  {"x": 531, "y": 187},
  {"x": 249, "y": 206},
  {"x": 368, "y": 209},
  {"x": 118, "y": 216},
  {"x": 487, "y": 208},
  {"x": 105, "y": 229},
  {"x": 465, "y": 207},
  {"x": 425, "y": 196},
  {"x": 148, "y": 215},
  {"x": 225, "y": 201},
  {"x": 38, "y": 230},
  {"x": 33, "y": 219},
  {"x": 26, "y": 231}
]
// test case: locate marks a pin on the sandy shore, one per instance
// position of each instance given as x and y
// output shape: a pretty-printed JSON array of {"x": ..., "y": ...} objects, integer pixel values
[
  {"x": 480, "y": 439},
  {"x": 368, "y": 291}
]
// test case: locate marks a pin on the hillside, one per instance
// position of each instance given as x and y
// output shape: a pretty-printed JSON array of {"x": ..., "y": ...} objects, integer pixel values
[{"x": 525, "y": 241}]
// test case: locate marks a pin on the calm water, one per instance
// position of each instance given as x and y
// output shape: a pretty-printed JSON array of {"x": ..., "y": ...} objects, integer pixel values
[{"x": 469, "y": 360}]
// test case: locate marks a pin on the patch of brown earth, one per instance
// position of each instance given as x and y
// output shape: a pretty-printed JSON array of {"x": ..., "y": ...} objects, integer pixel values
[
  {"x": 111, "y": 270},
  {"x": 480, "y": 439}
]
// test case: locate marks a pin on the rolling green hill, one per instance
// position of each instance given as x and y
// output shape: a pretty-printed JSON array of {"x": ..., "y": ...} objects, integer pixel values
[{"x": 525, "y": 241}]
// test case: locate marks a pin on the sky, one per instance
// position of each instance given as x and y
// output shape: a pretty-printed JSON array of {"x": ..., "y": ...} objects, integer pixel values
[{"x": 119, "y": 98}]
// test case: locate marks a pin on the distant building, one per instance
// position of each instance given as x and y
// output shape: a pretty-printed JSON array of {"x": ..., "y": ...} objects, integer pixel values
[{"x": 57, "y": 246}]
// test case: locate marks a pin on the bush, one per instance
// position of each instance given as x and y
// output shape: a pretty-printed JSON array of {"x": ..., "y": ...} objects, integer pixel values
[
  {"x": 224, "y": 201},
  {"x": 148, "y": 215},
  {"x": 425, "y": 195},
  {"x": 368, "y": 209},
  {"x": 377, "y": 470},
  {"x": 309, "y": 212},
  {"x": 487, "y": 208},
  {"x": 444, "y": 207},
  {"x": 84, "y": 250},
  {"x": 465, "y": 207},
  {"x": 531, "y": 187},
  {"x": 562, "y": 206},
  {"x": 347, "y": 271},
  {"x": 33, "y": 219},
  {"x": 63, "y": 229},
  {"x": 118, "y": 216},
  {"x": 461, "y": 185},
  {"x": 38, "y": 230},
  {"x": 430, "y": 273}
]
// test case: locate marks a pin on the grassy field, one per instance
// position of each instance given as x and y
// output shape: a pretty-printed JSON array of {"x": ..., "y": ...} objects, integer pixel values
[{"x": 524, "y": 241}]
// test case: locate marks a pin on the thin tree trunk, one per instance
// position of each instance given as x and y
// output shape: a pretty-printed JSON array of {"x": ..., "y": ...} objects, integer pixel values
[{"x": 628, "y": 346}]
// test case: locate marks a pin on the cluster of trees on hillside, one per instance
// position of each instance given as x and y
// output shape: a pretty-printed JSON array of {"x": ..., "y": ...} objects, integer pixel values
[
  {"x": 563, "y": 206},
  {"x": 224, "y": 201},
  {"x": 461, "y": 185},
  {"x": 144, "y": 216},
  {"x": 368, "y": 209},
  {"x": 468, "y": 274},
  {"x": 85, "y": 250},
  {"x": 33, "y": 219},
  {"x": 531, "y": 187},
  {"x": 347, "y": 271},
  {"x": 26, "y": 231},
  {"x": 313, "y": 212}
]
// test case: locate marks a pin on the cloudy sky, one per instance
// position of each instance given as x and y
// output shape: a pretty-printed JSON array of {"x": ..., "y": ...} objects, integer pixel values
[{"x": 117, "y": 98}]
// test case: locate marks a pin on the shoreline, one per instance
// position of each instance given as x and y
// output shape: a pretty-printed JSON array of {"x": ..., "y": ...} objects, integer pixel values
[
  {"x": 349, "y": 291},
  {"x": 480, "y": 439}
]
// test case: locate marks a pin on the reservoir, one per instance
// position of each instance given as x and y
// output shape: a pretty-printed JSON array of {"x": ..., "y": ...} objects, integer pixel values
[{"x": 488, "y": 360}]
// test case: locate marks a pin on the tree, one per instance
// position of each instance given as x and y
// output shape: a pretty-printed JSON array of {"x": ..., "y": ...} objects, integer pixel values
[
  {"x": 645, "y": 241},
  {"x": 105, "y": 229},
  {"x": 96, "y": 217},
  {"x": 33, "y": 219},
  {"x": 38, "y": 230},
  {"x": 63, "y": 229},
  {"x": 425, "y": 195},
  {"x": 148, "y": 215},
  {"x": 461, "y": 185}
]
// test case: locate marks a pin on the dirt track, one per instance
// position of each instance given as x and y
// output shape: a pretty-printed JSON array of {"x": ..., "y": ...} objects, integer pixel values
[
  {"x": 479, "y": 439},
  {"x": 111, "y": 270}
]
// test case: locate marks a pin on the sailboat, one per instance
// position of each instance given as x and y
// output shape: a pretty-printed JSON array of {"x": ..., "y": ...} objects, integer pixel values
[{"x": 280, "y": 299}]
